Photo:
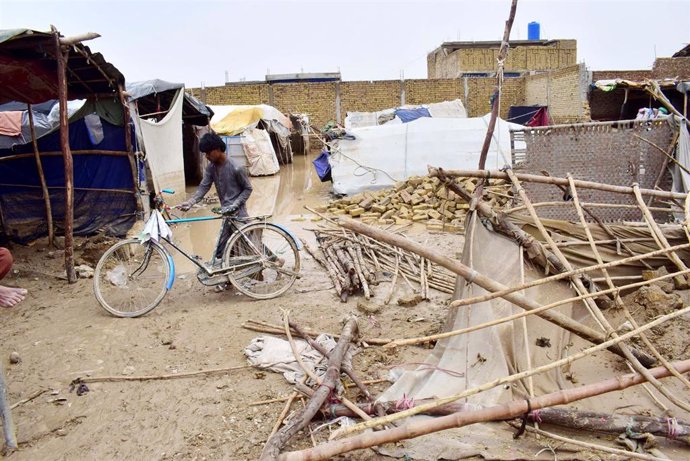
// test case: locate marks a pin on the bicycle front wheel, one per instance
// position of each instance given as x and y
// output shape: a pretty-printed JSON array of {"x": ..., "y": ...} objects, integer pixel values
[
  {"x": 264, "y": 258},
  {"x": 131, "y": 278}
]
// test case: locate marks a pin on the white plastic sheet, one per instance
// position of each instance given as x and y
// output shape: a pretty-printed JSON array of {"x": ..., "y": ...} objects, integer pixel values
[
  {"x": 261, "y": 157},
  {"x": 382, "y": 155}
]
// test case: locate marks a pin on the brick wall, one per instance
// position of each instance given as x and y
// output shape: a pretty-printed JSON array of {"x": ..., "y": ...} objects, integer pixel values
[
  {"x": 605, "y": 153},
  {"x": 521, "y": 58},
  {"x": 671, "y": 68},
  {"x": 319, "y": 99},
  {"x": 564, "y": 91},
  {"x": 634, "y": 75}
]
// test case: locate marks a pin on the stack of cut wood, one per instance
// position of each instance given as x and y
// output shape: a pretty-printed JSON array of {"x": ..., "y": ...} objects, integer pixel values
[
  {"x": 354, "y": 260},
  {"x": 420, "y": 199}
]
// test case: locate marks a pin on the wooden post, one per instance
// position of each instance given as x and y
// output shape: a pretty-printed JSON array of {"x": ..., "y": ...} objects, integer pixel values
[
  {"x": 502, "y": 53},
  {"x": 42, "y": 178},
  {"x": 67, "y": 158}
]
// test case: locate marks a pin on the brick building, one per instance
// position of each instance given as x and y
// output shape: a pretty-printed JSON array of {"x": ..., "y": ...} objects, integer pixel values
[{"x": 478, "y": 59}]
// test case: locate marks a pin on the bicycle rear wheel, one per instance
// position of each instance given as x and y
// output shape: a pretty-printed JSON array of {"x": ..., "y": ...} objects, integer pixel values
[
  {"x": 265, "y": 260},
  {"x": 131, "y": 278}
]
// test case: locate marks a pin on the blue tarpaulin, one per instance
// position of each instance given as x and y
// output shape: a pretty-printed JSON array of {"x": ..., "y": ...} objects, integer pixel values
[
  {"x": 323, "y": 168},
  {"x": 104, "y": 197},
  {"x": 408, "y": 115}
]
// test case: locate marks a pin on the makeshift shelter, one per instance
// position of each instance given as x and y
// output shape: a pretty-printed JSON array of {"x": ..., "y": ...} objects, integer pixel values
[
  {"x": 406, "y": 113},
  {"x": 166, "y": 117},
  {"x": 39, "y": 66},
  {"x": 104, "y": 185},
  {"x": 379, "y": 156},
  {"x": 264, "y": 135}
]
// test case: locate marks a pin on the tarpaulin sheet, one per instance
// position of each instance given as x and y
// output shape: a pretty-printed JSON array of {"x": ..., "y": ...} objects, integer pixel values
[
  {"x": 379, "y": 156},
  {"x": 162, "y": 142},
  {"x": 408, "y": 115},
  {"x": 232, "y": 120},
  {"x": 104, "y": 190}
]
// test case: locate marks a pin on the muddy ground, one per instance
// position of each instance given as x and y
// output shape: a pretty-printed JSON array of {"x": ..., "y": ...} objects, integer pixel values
[{"x": 60, "y": 334}]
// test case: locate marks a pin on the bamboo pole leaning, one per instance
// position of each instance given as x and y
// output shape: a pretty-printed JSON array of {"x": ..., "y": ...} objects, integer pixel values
[
  {"x": 497, "y": 174},
  {"x": 499, "y": 412},
  {"x": 42, "y": 179}
]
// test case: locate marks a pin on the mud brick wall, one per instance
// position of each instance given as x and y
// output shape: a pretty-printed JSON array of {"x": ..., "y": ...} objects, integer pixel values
[
  {"x": 240, "y": 93},
  {"x": 564, "y": 91},
  {"x": 320, "y": 100},
  {"x": 479, "y": 91},
  {"x": 368, "y": 96},
  {"x": 634, "y": 75},
  {"x": 608, "y": 153},
  {"x": 671, "y": 68},
  {"x": 521, "y": 58}
]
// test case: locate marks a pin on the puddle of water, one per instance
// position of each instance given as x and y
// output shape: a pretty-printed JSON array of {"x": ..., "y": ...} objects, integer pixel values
[{"x": 283, "y": 196}]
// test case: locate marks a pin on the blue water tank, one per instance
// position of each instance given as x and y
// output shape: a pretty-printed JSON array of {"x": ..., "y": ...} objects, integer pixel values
[{"x": 533, "y": 31}]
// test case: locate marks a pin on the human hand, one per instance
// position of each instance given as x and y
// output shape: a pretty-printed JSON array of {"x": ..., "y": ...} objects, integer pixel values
[
  {"x": 184, "y": 206},
  {"x": 229, "y": 210}
]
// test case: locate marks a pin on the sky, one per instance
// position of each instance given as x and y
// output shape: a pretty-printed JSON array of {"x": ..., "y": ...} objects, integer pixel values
[{"x": 203, "y": 42}]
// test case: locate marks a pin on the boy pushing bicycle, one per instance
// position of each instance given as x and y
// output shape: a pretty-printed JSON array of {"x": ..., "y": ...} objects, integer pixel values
[{"x": 232, "y": 184}]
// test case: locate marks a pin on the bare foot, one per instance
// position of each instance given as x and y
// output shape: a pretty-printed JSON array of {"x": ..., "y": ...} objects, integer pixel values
[{"x": 10, "y": 296}]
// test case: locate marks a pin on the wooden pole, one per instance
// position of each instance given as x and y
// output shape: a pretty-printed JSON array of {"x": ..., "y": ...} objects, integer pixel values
[
  {"x": 128, "y": 147},
  {"x": 67, "y": 159},
  {"x": 6, "y": 413},
  {"x": 278, "y": 440},
  {"x": 496, "y": 174},
  {"x": 42, "y": 178},
  {"x": 502, "y": 53},
  {"x": 498, "y": 412},
  {"x": 472, "y": 276}
]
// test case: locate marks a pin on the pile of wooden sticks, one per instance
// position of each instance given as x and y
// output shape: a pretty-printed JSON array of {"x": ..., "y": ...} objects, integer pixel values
[{"x": 356, "y": 262}]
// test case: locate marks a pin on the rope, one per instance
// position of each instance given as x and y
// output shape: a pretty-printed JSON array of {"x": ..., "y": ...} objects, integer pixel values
[
  {"x": 524, "y": 420},
  {"x": 672, "y": 428}
]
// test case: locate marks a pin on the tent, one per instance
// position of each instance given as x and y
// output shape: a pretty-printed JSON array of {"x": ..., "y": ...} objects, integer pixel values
[
  {"x": 104, "y": 186},
  {"x": 165, "y": 117},
  {"x": 95, "y": 166},
  {"x": 379, "y": 156},
  {"x": 263, "y": 158}
]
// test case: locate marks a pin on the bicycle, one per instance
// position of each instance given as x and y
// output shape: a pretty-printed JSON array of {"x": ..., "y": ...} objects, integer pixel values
[{"x": 260, "y": 259}]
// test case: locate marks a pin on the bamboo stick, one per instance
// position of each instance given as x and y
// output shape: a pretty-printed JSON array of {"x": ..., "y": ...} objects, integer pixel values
[
  {"x": 663, "y": 243},
  {"x": 552, "y": 278},
  {"x": 394, "y": 281},
  {"x": 508, "y": 211},
  {"x": 511, "y": 410},
  {"x": 264, "y": 327},
  {"x": 580, "y": 288},
  {"x": 331, "y": 274},
  {"x": 8, "y": 429},
  {"x": 609, "y": 329},
  {"x": 596, "y": 447},
  {"x": 448, "y": 334},
  {"x": 360, "y": 273},
  {"x": 485, "y": 282},
  {"x": 495, "y": 174},
  {"x": 42, "y": 179},
  {"x": 112, "y": 379}
]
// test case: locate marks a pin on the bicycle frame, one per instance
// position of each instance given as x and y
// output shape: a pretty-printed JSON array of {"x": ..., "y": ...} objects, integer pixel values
[{"x": 209, "y": 272}]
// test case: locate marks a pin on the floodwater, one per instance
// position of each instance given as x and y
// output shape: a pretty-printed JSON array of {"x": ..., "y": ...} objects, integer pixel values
[{"x": 283, "y": 196}]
